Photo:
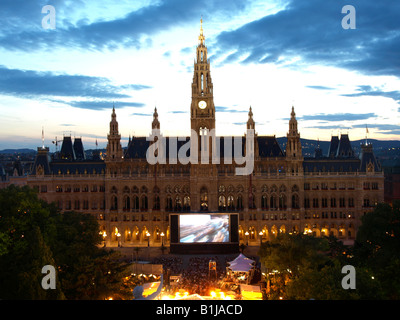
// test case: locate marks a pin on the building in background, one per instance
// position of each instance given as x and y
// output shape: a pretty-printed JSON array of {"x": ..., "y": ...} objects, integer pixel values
[{"x": 286, "y": 192}]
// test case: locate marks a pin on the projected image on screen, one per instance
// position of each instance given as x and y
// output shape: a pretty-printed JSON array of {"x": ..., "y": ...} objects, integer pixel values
[{"x": 204, "y": 228}]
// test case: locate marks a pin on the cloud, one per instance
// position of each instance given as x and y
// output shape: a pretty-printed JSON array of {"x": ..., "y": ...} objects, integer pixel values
[
  {"x": 141, "y": 114},
  {"x": 227, "y": 109},
  {"x": 134, "y": 29},
  {"x": 364, "y": 90},
  {"x": 379, "y": 126},
  {"x": 177, "y": 112},
  {"x": 319, "y": 87},
  {"x": 103, "y": 104},
  {"x": 329, "y": 127},
  {"x": 311, "y": 31},
  {"x": 27, "y": 83},
  {"x": 337, "y": 117}
]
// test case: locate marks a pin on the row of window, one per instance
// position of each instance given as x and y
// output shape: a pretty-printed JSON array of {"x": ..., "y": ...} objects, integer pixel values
[
  {"x": 182, "y": 204},
  {"x": 221, "y": 188},
  {"x": 339, "y": 186}
]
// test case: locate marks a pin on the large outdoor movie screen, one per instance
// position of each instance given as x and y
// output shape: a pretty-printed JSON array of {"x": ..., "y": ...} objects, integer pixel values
[{"x": 203, "y": 228}]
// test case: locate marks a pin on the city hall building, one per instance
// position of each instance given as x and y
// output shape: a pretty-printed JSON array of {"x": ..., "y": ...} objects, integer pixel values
[{"x": 133, "y": 200}]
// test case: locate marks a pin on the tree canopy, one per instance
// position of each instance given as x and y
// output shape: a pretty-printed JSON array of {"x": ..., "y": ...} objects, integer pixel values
[
  {"x": 34, "y": 233},
  {"x": 305, "y": 267}
]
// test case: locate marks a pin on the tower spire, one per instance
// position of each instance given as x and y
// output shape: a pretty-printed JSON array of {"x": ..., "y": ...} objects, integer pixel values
[
  {"x": 250, "y": 121},
  {"x": 156, "y": 123},
  {"x": 42, "y": 137},
  {"x": 201, "y": 36}
]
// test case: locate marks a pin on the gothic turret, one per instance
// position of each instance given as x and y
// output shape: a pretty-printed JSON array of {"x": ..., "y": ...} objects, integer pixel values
[
  {"x": 293, "y": 146},
  {"x": 155, "y": 124},
  {"x": 114, "y": 149}
]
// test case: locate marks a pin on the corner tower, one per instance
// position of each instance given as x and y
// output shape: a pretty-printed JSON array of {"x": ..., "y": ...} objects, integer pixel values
[
  {"x": 114, "y": 149},
  {"x": 202, "y": 111}
]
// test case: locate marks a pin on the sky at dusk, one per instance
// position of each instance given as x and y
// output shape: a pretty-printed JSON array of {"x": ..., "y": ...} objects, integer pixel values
[{"x": 138, "y": 55}]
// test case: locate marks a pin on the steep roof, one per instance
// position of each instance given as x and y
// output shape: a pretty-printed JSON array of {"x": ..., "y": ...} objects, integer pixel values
[
  {"x": 78, "y": 149},
  {"x": 67, "y": 151},
  {"x": 344, "y": 149},
  {"x": 42, "y": 161},
  {"x": 333, "y": 147},
  {"x": 268, "y": 146},
  {"x": 368, "y": 160}
]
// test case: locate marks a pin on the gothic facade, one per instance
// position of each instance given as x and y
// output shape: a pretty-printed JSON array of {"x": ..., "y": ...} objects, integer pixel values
[{"x": 286, "y": 192}]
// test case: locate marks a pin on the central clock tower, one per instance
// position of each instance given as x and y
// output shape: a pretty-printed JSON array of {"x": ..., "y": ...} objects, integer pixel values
[{"x": 202, "y": 111}]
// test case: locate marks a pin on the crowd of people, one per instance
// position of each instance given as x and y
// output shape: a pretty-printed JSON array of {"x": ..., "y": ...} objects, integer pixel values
[
  {"x": 173, "y": 264},
  {"x": 195, "y": 274}
]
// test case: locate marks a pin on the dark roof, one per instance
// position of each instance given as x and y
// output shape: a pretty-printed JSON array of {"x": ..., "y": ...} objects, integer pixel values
[
  {"x": 326, "y": 164},
  {"x": 344, "y": 149},
  {"x": 333, "y": 147},
  {"x": 77, "y": 167},
  {"x": 268, "y": 146},
  {"x": 42, "y": 160},
  {"x": 78, "y": 149},
  {"x": 368, "y": 159},
  {"x": 67, "y": 151}
]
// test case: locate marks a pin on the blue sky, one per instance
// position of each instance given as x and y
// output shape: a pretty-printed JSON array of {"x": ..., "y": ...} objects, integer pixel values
[{"x": 139, "y": 54}]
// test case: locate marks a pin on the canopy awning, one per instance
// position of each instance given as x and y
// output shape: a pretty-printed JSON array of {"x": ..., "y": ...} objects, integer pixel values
[{"x": 241, "y": 264}]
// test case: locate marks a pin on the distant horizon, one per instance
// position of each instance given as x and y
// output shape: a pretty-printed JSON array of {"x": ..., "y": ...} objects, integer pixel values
[{"x": 99, "y": 147}]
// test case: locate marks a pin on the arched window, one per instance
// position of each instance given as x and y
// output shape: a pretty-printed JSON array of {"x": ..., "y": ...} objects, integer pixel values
[
  {"x": 178, "y": 203},
  {"x": 169, "y": 203},
  {"x": 239, "y": 202},
  {"x": 252, "y": 201},
  {"x": 231, "y": 203},
  {"x": 264, "y": 201},
  {"x": 273, "y": 202},
  {"x": 252, "y": 233},
  {"x": 143, "y": 203},
  {"x": 203, "y": 199},
  {"x": 156, "y": 205},
  {"x": 282, "y": 201},
  {"x": 114, "y": 203},
  {"x": 135, "y": 203},
  {"x": 186, "y": 203},
  {"x": 295, "y": 201},
  {"x": 127, "y": 203},
  {"x": 222, "y": 203}
]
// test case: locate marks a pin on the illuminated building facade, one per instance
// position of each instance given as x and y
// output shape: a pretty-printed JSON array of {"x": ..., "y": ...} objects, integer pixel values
[{"x": 132, "y": 199}]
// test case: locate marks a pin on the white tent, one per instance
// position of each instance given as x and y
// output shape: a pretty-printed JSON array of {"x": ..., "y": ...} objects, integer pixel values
[{"x": 241, "y": 264}]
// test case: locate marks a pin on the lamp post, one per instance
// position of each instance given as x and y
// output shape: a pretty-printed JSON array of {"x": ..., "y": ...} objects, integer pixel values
[
  {"x": 261, "y": 234},
  {"x": 148, "y": 238},
  {"x": 119, "y": 237},
  {"x": 104, "y": 234},
  {"x": 247, "y": 237},
  {"x": 148, "y": 244},
  {"x": 162, "y": 238}
]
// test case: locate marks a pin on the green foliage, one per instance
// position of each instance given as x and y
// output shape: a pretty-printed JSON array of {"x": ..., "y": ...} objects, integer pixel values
[
  {"x": 305, "y": 267},
  {"x": 34, "y": 234},
  {"x": 377, "y": 247}
]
